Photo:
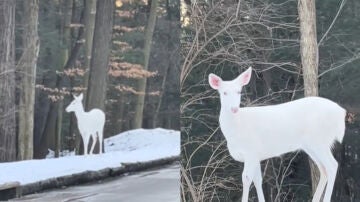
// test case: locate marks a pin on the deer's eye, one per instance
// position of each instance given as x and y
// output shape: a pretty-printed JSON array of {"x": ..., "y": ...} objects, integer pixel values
[{"x": 225, "y": 93}]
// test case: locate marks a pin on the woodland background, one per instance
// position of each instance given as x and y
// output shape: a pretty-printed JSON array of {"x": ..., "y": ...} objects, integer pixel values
[
  {"x": 123, "y": 55},
  {"x": 50, "y": 49},
  {"x": 226, "y": 37}
]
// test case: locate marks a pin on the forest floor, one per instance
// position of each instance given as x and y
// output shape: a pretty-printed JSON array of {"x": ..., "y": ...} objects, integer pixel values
[{"x": 133, "y": 146}]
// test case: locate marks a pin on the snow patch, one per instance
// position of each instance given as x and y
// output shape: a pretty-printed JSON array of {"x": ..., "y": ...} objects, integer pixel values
[
  {"x": 63, "y": 153},
  {"x": 128, "y": 147}
]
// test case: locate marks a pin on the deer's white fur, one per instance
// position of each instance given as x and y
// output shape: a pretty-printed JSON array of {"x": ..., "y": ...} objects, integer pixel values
[
  {"x": 90, "y": 124},
  {"x": 253, "y": 134}
]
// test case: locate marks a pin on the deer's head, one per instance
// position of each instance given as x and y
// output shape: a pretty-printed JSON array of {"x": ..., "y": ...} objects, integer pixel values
[
  {"x": 230, "y": 91},
  {"x": 76, "y": 104}
]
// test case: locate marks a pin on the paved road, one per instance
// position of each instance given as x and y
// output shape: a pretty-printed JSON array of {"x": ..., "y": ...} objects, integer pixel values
[{"x": 161, "y": 185}]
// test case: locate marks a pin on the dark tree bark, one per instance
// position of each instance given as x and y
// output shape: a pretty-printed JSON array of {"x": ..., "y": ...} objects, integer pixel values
[
  {"x": 309, "y": 59},
  {"x": 51, "y": 137},
  {"x": 89, "y": 18},
  {"x": 166, "y": 72},
  {"x": 7, "y": 81},
  {"x": 96, "y": 92},
  {"x": 67, "y": 34},
  {"x": 27, "y": 74},
  {"x": 90, "y": 13},
  {"x": 139, "y": 108}
]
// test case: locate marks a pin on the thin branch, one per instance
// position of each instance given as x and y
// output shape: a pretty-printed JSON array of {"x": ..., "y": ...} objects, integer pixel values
[
  {"x": 238, "y": 9},
  {"x": 341, "y": 65},
  {"x": 333, "y": 22}
]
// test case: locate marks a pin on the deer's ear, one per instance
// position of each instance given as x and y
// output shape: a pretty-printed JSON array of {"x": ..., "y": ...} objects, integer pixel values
[
  {"x": 81, "y": 96},
  {"x": 245, "y": 77},
  {"x": 214, "y": 81}
]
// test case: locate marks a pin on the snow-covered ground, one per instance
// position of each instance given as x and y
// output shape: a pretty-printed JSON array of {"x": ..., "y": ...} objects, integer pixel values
[{"x": 127, "y": 147}]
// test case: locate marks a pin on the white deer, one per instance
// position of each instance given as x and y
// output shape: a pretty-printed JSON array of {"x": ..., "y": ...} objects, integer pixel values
[
  {"x": 253, "y": 134},
  {"x": 90, "y": 124}
]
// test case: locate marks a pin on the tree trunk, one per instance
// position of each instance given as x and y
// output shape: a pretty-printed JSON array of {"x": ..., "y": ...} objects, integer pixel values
[
  {"x": 65, "y": 52},
  {"x": 120, "y": 113},
  {"x": 89, "y": 17},
  {"x": 51, "y": 137},
  {"x": 90, "y": 12},
  {"x": 58, "y": 138},
  {"x": 96, "y": 92},
  {"x": 167, "y": 69},
  {"x": 49, "y": 56},
  {"x": 309, "y": 59},
  {"x": 7, "y": 81},
  {"x": 27, "y": 76},
  {"x": 139, "y": 108},
  {"x": 162, "y": 91}
]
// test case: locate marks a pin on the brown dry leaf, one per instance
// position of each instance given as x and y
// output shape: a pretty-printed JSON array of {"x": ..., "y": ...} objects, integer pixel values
[
  {"x": 118, "y": 3},
  {"x": 76, "y": 25},
  {"x": 129, "y": 70},
  {"x": 73, "y": 72},
  {"x": 124, "y": 14},
  {"x": 123, "y": 45},
  {"x": 350, "y": 117},
  {"x": 128, "y": 29},
  {"x": 129, "y": 89}
]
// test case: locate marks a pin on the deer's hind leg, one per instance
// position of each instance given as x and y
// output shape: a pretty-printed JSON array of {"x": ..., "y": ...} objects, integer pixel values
[
  {"x": 327, "y": 166},
  {"x": 331, "y": 166},
  {"x": 93, "y": 143},
  {"x": 100, "y": 136}
]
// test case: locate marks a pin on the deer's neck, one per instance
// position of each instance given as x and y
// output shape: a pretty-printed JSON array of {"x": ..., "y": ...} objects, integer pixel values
[
  {"x": 79, "y": 113},
  {"x": 226, "y": 113},
  {"x": 229, "y": 122}
]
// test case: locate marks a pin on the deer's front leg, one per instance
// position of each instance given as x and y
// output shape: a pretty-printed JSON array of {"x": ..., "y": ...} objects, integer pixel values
[
  {"x": 258, "y": 183},
  {"x": 249, "y": 174},
  {"x": 86, "y": 143}
]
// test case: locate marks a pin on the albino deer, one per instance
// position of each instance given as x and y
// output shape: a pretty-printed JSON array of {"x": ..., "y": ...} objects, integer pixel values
[
  {"x": 311, "y": 124},
  {"x": 90, "y": 124}
]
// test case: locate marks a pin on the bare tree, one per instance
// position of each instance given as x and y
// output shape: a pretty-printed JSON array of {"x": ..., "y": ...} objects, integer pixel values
[
  {"x": 27, "y": 73},
  {"x": 90, "y": 13},
  {"x": 89, "y": 18},
  {"x": 139, "y": 108},
  {"x": 309, "y": 59},
  {"x": 170, "y": 65},
  {"x": 7, "y": 81},
  {"x": 225, "y": 38},
  {"x": 51, "y": 137},
  {"x": 96, "y": 92}
]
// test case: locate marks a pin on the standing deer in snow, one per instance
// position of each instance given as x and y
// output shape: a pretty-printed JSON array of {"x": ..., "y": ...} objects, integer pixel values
[
  {"x": 253, "y": 134},
  {"x": 90, "y": 124}
]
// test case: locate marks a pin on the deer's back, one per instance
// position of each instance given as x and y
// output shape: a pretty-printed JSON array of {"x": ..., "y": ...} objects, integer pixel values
[
  {"x": 93, "y": 120},
  {"x": 273, "y": 130}
]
